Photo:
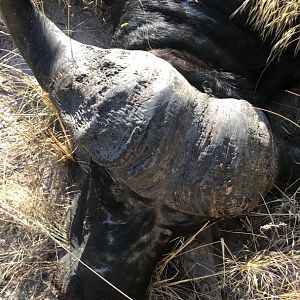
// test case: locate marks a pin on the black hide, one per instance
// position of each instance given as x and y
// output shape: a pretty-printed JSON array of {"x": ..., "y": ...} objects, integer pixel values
[
  {"x": 218, "y": 53},
  {"x": 122, "y": 236}
]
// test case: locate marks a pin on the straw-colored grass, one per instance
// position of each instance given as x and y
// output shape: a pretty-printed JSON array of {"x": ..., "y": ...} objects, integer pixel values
[
  {"x": 266, "y": 267},
  {"x": 277, "y": 20},
  {"x": 33, "y": 186}
]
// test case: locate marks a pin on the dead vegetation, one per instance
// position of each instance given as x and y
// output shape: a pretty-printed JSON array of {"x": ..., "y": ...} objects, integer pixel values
[
  {"x": 277, "y": 20},
  {"x": 35, "y": 197},
  {"x": 266, "y": 266},
  {"x": 33, "y": 187}
]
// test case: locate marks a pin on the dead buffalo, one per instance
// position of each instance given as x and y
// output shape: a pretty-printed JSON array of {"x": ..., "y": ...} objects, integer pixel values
[{"x": 168, "y": 118}]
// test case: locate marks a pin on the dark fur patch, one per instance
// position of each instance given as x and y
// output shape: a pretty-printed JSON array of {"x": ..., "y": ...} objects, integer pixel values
[{"x": 192, "y": 34}]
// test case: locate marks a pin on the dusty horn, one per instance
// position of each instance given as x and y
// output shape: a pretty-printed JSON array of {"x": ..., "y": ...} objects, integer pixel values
[
  {"x": 139, "y": 118},
  {"x": 42, "y": 44}
]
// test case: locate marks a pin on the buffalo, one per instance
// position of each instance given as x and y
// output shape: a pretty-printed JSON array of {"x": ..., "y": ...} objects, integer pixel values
[{"x": 170, "y": 118}]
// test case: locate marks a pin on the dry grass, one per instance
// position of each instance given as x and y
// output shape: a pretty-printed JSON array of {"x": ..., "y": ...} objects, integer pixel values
[
  {"x": 276, "y": 19},
  {"x": 267, "y": 266},
  {"x": 35, "y": 197},
  {"x": 33, "y": 186}
]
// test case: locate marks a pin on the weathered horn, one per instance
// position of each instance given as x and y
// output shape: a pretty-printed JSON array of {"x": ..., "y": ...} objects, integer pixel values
[
  {"x": 40, "y": 42},
  {"x": 139, "y": 118}
]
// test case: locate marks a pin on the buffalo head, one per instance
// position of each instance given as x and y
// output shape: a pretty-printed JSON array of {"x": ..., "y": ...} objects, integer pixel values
[{"x": 164, "y": 155}]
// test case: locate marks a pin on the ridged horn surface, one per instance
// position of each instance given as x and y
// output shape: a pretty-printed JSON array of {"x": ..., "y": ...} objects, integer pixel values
[{"x": 139, "y": 118}]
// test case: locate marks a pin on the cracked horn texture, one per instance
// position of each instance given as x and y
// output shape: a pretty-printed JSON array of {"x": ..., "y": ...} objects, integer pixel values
[{"x": 139, "y": 118}]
